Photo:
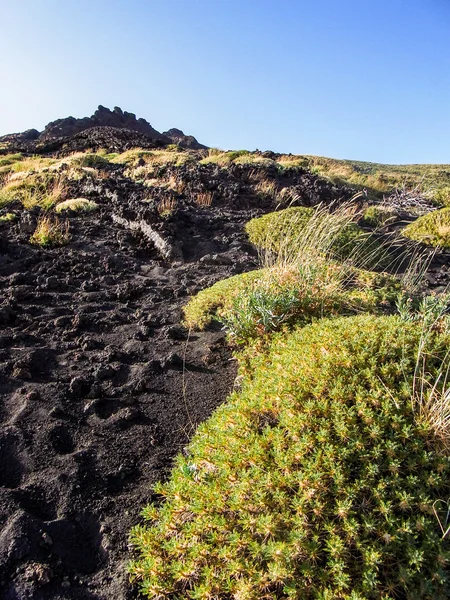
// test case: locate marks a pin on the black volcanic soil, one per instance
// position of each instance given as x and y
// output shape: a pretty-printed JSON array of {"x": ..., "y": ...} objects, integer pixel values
[{"x": 100, "y": 385}]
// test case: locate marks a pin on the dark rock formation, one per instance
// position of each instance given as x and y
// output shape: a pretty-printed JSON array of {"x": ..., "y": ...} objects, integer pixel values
[
  {"x": 122, "y": 130},
  {"x": 188, "y": 141},
  {"x": 103, "y": 117}
]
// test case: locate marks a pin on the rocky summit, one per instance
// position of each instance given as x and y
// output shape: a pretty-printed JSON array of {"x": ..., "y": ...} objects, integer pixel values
[{"x": 102, "y": 117}]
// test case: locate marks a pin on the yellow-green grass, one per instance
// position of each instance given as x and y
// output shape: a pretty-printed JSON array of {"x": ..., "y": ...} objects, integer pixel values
[
  {"x": 8, "y": 218},
  {"x": 172, "y": 156},
  {"x": 432, "y": 229},
  {"x": 39, "y": 189},
  {"x": 76, "y": 205},
  {"x": 317, "y": 481},
  {"x": 379, "y": 216}
]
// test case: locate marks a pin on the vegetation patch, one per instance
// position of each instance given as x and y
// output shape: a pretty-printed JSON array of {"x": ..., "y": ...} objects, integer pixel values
[
  {"x": 317, "y": 481},
  {"x": 286, "y": 232},
  {"x": 37, "y": 189},
  {"x": 379, "y": 216},
  {"x": 257, "y": 303},
  {"x": 50, "y": 232},
  {"x": 8, "y": 218},
  {"x": 76, "y": 205},
  {"x": 432, "y": 229}
]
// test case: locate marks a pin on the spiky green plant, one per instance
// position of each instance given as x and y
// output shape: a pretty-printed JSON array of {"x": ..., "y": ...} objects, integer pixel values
[{"x": 317, "y": 481}]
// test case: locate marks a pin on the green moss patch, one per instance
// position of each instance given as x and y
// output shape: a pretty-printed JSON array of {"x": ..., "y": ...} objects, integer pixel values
[
  {"x": 315, "y": 482},
  {"x": 432, "y": 229}
]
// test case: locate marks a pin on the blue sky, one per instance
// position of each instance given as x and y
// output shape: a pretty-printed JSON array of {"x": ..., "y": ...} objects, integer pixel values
[{"x": 341, "y": 78}]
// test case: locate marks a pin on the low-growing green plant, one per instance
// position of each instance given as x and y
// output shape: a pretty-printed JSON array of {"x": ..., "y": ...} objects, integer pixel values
[
  {"x": 95, "y": 161},
  {"x": 442, "y": 196},
  {"x": 50, "y": 232},
  {"x": 257, "y": 303},
  {"x": 317, "y": 481},
  {"x": 39, "y": 189},
  {"x": 76, "y": 205},
  {"x": 379, "y": 216},
  {"x": 432, "y": 229},
  {"x": 8, "y": 217}
]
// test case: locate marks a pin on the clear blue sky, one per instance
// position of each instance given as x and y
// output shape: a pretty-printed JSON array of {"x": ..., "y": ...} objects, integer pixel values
[{"x": 361, "y": 79}]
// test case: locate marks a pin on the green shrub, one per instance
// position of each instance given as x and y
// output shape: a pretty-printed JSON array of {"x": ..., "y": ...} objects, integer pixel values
[
  {"x": 76, "y": 205},
  {"x": 432, "y": 229},
  {"x": 95, "y": 161},
  {"x": 442, "y": 196},
  {"x": 205, "y": 306},
  {"x": 315, "y": 482}
]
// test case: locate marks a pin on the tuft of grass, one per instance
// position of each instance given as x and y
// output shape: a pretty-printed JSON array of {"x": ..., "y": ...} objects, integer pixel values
[
  {"x": 204, "y": 198},
  {"x": 50, "y": 232},
  {"x": 95, "y": 161},
  {"x": 39, "y": 189},
  {"x": 224, "y": 158},
  {"x": 316, "y": 481},
  {"x": 290, "y": 233},
  {"x": 76, "y": 205},
  {"x": 432, "y": 229},
  {"x": 166, "y": 207},
  {"x": 257, "y": 303}
]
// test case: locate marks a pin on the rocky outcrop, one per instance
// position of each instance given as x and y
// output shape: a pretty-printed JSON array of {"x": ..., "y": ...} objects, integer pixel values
[
  {"x": 188, "y": 141},
  {"x": 137, "y": 132},
  {"x": 103, "y": 117}
]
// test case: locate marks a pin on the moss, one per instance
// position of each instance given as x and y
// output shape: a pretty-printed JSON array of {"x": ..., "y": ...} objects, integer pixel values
[
  {"x": 8, "y": 218},
  {"x": 316, "y": 481},
  {"x": 91, "y": 160},
  {"x": 205, "y": 306},
  {"x": 432, "y": 229}
]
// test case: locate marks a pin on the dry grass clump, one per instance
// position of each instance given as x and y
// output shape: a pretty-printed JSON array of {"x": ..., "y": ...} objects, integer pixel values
[
  {"x": 166, "y": 207},
  {"x": 432, "y": 229},
  {"x": 316, "y": 481},
  {"x": 267, "y": 189},
  {"x": 76, "y": 205},
  {"x": 40, "y": 189},
  {"x": 50, "y": 232},
  {"x": 203, "y": 198}
]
